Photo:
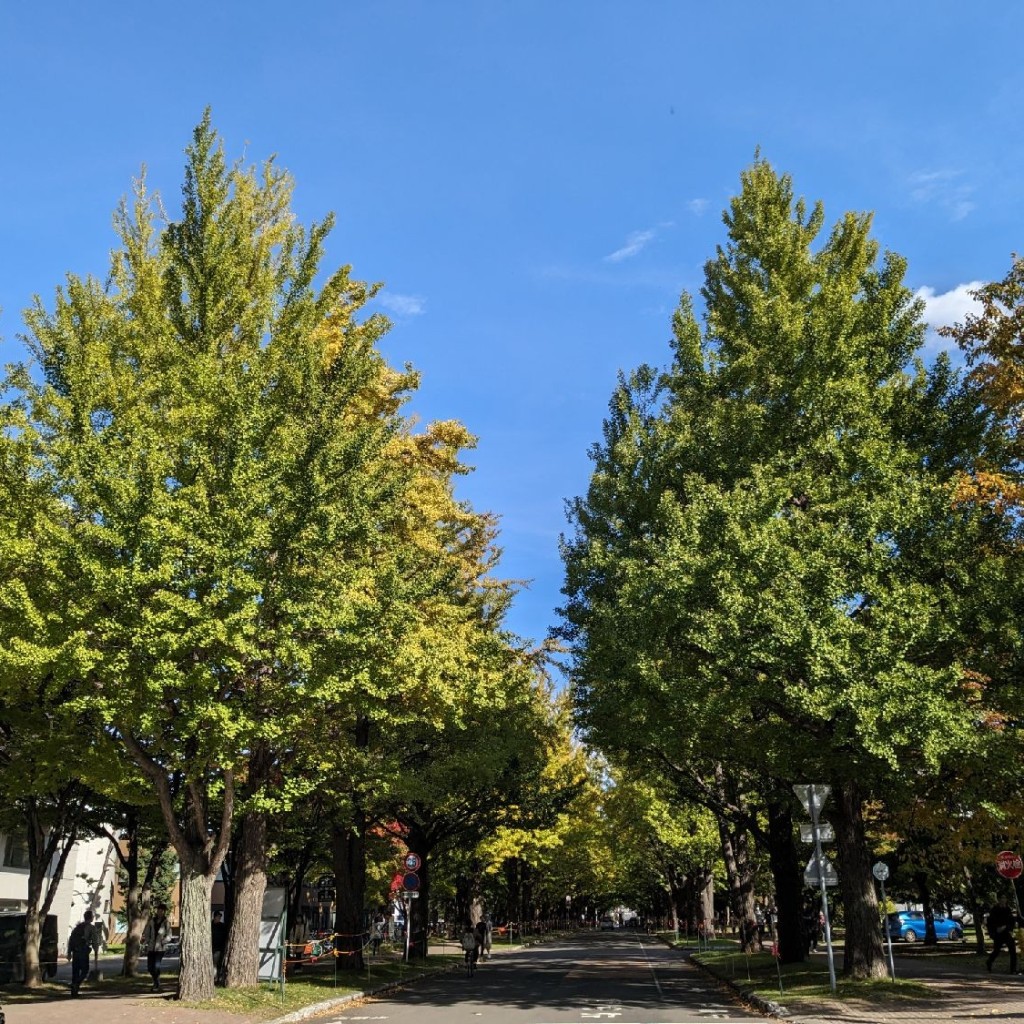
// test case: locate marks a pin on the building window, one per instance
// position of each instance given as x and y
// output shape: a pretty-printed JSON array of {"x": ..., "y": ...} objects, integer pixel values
[{"x": 16, "y": 853}]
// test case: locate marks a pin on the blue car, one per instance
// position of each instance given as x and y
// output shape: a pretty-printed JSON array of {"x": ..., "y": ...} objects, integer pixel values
[{"x": 908, "y": 925}]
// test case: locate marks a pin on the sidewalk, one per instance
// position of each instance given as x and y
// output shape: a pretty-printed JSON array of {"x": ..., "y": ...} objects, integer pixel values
[
  {"x": 93, "y": 1006},
  {"x": 957, "y": 991},
  {"x": 96, "y": 1005}
]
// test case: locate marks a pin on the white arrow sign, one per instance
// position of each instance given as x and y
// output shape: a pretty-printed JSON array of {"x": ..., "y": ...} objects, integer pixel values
[
  {"x": 817, "y": 872},
  {"x": 825, "y": 832},
  {"x": 820, "y": 793}
]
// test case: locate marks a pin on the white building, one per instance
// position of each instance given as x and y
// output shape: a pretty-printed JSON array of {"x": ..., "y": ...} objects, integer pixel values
[{"x": 87, "y": 883}]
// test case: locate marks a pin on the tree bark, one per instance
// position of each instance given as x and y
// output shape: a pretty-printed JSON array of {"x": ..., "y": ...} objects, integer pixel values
[
  {"x": 43, "y": 846},
  {"x": 138, "y": 898},
  {"x": 864, "y": 956},
  {"x": 925, "y": 892},
  {"x": 976, "y": 912},
  {"x": 201, "y": 852},
  {"x": 787, "y": 873},
  {"x": 242, "y": 957},
  {"x": 706, "y": 897},
  {"x": 735, "y": 853},
  {"x": 195, "y": 982},
  {"x": 348, "y": 855},
  {"x": 675, "y": 895}
]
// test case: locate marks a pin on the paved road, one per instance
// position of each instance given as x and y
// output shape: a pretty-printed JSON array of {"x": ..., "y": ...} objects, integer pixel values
[{"x": 616, "y": 977}]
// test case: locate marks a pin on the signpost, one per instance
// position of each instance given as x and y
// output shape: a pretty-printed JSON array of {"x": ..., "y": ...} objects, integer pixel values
[
  {"x": 881, "y": 872},
  {"x": 410, "y": 892},
  {"x": 1010, "y": 865},
  {"x": 819, "y": 869}
]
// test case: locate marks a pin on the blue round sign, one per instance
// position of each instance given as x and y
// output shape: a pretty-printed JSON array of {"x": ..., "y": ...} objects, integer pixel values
[{"x": 411, "y": 881}]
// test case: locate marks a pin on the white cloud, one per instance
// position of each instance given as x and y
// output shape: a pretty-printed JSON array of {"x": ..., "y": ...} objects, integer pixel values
[
  {"x": 943, "y": 188},
  {"x": 944, "y": 309},
  {"x": 402, "y": 305},
  {"x": 634, "y": 243},
  {"x": 697, "y": 206}
]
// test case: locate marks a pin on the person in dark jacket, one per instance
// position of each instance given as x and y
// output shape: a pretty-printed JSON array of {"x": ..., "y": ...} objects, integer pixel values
[
  {"x": 83, "y": 943},
  {"x": 1001, "y": 923}
]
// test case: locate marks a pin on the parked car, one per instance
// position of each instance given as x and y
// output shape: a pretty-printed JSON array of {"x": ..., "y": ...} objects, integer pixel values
[
  {"x": 172, "y": 947},
  {"x": 607, "y": 924},
  {"x": 909, "y": 925}
]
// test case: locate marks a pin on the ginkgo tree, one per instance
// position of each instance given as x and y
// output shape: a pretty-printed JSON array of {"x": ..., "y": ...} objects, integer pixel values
[
  {"x": 211, "y": 423},
  {"x": 767, "y": 569}
]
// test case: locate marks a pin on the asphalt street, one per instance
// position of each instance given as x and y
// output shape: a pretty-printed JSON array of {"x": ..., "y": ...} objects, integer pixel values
[{"x": 619, "y": 977}]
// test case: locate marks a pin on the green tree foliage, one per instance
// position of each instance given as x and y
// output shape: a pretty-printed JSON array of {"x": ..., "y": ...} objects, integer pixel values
[
  {"x": 209, "y": 440},
  {"x": 767, "y": 569}
]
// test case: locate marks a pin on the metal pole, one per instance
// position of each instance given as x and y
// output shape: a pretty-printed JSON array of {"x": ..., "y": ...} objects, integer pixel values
[
  {"x": 408, "y": 923},
  {"x": 818, "y": 860},
  {"x": 888, "y": 934}
]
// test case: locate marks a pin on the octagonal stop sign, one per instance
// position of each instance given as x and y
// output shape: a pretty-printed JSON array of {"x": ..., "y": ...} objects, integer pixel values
[{"x": 1009, "y": 864}]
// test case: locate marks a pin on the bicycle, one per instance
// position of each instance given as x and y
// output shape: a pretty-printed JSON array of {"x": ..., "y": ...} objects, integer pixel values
[{"x": 470, "y": 952}]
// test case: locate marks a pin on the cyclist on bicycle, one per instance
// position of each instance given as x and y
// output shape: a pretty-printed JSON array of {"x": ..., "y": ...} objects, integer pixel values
[{"x": 469, "y": 946}]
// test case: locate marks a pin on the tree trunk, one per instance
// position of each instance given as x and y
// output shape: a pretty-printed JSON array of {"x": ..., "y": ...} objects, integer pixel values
[
  {"x": 348, "y": 854},
  {"x": 242, "y": 957},
  {"x": 138, "y": 902},
  {"x": 976, "y": 912},
  {"x": 675, "y": 895},
  {"x": 201, "y": 851},
  {"x": 925, "y": 892},
  {"x": 135, "y": 913},
  {"x": 706, "y": 895},
  {"x": 195, "y": 982},
  {"x": 297, "y": 883},
  {"x": 42, "y": 847},
  {"x": 865, "y": 957},
  {"x": 787, "y": 873},
  {"x": 741, "y": 882}
]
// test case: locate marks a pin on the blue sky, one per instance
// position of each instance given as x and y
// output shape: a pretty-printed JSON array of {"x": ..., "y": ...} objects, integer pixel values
[{"x": 535, "y": 181}]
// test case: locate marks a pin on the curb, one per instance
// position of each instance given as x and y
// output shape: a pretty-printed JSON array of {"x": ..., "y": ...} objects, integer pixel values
[
  {"x": 316, "y": 1009},
  {"x": 766, "y": 1006}
]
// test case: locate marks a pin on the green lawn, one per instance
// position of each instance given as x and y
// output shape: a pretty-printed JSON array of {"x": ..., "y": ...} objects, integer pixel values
[{"x": 759, "y": 973}]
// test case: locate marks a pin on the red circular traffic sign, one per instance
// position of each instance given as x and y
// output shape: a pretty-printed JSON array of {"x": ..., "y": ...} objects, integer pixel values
[{"x": 1009, "y": 864}]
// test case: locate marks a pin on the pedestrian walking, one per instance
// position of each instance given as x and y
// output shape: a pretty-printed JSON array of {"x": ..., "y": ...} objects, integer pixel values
[
  {"x": 84, "y": 941},
  {"x": 376, "y": 933},
  {"x": 1001, "y": 923},
  {"x": 158, "y": 931}
]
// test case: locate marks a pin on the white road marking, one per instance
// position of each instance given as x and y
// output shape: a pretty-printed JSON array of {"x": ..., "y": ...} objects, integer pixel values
[{"x": 654, "y": 974}]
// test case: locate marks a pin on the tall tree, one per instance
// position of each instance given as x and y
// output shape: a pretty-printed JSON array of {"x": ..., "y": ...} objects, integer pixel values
[
  {"x": 767, "y": 553},
  {"x": 209, "y": 423}
]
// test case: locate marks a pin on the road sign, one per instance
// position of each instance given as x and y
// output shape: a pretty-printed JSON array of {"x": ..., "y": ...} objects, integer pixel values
[
  {"x": 820, "y": 872},
  {"x": 410, "y": 881},
  {"x": 1009, "y": 864},
  {"x": 825, "y": 832},
  {"x": 412, "y": 862},
  {"x": 880, "y": 871},
  {"x": 803, "y": 791}
]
